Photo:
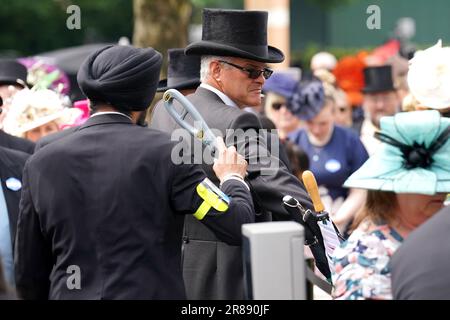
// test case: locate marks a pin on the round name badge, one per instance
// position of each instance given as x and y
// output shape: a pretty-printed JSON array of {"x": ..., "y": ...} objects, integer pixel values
[
  {"x": 332, "y": 165},
  {"x": 13, "y": 184}
]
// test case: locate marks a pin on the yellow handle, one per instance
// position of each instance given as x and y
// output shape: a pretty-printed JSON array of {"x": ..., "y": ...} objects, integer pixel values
[{"x": 311, "y": 186}]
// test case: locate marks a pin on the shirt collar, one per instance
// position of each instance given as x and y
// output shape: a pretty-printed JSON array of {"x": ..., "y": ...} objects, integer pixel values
[
  {"x": 111, "y": 112},
  {"x": 221, "y": 95}
]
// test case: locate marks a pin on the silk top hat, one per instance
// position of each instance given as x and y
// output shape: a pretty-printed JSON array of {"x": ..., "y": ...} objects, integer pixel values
[
  {"x": 13, "y": 72},
  {"x": 236, "y": 33},
  {"x": 183, "y": 72},
  {"x": 378, "y": 79}
]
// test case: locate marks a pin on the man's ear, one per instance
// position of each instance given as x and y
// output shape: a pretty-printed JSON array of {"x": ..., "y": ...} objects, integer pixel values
[{"x": 214, "y": 70}]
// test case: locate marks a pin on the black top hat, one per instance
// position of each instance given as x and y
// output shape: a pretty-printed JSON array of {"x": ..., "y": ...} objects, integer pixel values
[
  {"x": 183, "y": 72},
  {"x": 236, "y": 33},
  {"x": 378, "y": 79},
  {"x": 13, "y": 72}
]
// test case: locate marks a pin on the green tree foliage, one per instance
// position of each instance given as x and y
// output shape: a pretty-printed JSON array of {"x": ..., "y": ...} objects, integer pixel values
[{"x": 30, "y": 27}]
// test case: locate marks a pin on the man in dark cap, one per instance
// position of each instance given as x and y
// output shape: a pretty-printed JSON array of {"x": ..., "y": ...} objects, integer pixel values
[
  {"x": 380, "y": 100},
  {"x": 13, "y": 76},
  {"x": 234, "y": 56},
  {"x": 102, "y": 209}
]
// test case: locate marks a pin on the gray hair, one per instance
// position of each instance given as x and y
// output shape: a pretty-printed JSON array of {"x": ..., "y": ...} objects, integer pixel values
[{"x": 204, "y": 65}]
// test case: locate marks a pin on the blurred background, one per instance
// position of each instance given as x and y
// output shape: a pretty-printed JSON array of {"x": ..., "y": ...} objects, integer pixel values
[{"x": 300, "y": 28}]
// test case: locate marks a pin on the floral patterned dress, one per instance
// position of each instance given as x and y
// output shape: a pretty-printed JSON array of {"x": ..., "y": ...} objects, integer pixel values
[{"x": 361, "y": 264}]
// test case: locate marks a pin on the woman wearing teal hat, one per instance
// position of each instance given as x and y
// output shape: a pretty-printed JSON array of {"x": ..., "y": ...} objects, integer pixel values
[{"x": 407, "y": 181}]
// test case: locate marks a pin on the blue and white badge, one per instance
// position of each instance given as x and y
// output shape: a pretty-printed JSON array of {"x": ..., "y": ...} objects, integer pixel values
[
  {"x": 13, "y": 184},
  {"x": 332, "y": 165}
]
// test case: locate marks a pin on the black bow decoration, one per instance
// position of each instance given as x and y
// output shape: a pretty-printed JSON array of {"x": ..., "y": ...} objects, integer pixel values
[{"x": 416, "y": 155}]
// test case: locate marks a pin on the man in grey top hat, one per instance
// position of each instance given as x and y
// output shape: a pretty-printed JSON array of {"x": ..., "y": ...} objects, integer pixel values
[{"x": 234, "y": 56}]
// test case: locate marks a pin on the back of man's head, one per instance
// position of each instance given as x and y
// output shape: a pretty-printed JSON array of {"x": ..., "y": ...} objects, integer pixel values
[{"x": 121, "y": 76}]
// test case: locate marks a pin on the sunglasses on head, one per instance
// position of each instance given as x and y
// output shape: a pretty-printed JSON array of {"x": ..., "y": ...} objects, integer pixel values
[{"x": 252, "y": 73}]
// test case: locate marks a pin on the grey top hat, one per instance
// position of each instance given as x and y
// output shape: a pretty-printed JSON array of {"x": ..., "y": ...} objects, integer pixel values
[
  {"x": 12, "y": 72},
  {"x": 183, "y": 72},
  {"x": 236, "y": 33}
]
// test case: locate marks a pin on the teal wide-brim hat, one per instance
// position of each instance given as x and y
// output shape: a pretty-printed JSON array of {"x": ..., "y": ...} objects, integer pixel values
[{"x": 413, "y": 158}]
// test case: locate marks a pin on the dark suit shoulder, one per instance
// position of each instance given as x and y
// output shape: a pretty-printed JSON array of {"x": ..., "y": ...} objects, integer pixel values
[
  {"x": 219, "y": 115},
  {"x": 16, "y": 143},
  {"x": 11, "y": 157},
  {"x": 53, "y": 137},
  {"x": 131, "y": 137}
]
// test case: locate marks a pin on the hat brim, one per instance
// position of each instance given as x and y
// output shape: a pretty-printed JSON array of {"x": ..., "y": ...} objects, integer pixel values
[
  {"x": 62, "y": 117},
  {"x": 377, "y": 89},
  {"x": 190, "y": 84},
  {"x": 274, "y": 55},
  {"x": 12, "y": 81}
]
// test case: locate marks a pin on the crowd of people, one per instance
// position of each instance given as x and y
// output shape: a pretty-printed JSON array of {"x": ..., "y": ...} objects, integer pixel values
[{"x": 94, "y": 183}]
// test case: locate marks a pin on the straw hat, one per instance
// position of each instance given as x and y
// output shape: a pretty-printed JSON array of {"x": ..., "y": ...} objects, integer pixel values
[{"x": 31, "y": 109}]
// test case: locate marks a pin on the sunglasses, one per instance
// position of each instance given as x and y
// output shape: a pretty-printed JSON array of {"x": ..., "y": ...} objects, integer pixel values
[{"x": 252, "y": 73}]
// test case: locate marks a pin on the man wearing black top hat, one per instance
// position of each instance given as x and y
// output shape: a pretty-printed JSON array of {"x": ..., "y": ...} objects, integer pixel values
[
  {"x": 13, "y": 76},
  {"x": 183, "y": 72},
  {"x": 234, "y": 56},
  {"x": 102, "y": 209},
  {"x": 380, "y": 99}
]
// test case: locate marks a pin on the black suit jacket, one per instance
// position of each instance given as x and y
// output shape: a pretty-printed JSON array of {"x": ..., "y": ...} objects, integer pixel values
[
  {"x": 420, "y": 266},
  {"x": 108, "y": 199},
  {"x": 11, "y": 166},
  {"x": 16, "y": 143},
  {"x": 211, "y": 267},
  {"x": 42, "y": 142}
]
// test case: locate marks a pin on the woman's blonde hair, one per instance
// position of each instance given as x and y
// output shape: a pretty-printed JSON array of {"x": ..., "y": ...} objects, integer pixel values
[{"x": 329, "y": 84}]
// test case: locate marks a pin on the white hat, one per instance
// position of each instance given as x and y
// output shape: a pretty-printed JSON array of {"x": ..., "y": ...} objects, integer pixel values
[
  {"x": 429, "y": 77},
  {"x": 323, "y": 60},
  {"x": 31, "y": 109}
]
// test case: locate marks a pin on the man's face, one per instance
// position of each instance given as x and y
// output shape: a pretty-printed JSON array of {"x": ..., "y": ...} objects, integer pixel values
[
  {"x": 237, "y": 84},
  {"x": 381, "y": 104}
]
